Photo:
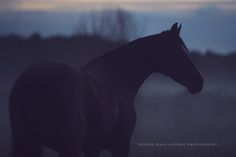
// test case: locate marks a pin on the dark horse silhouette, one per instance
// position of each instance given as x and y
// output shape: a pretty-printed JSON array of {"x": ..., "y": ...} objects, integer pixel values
[{"x": 91, "y": 108}]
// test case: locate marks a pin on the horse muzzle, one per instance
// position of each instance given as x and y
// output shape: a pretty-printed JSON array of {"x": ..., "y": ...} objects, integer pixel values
[{"x": 196, "y": 86}]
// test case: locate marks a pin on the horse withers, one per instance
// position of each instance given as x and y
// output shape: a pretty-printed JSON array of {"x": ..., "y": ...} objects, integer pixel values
[{"x": 90, "y": 109}]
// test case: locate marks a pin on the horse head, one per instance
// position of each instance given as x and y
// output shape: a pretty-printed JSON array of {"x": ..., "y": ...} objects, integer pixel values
[{"x": 173, "y": 60}]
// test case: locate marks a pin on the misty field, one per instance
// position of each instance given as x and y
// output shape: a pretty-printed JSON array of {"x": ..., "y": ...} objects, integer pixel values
[{"x": 167, "y": 114}]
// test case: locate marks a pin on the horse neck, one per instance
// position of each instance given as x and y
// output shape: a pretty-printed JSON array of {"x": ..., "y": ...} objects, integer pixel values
[{"x": 126, "y": 67}]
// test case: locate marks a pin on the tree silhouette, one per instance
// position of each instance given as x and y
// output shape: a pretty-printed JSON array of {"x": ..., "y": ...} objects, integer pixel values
[{"x": 118, "y": 25}]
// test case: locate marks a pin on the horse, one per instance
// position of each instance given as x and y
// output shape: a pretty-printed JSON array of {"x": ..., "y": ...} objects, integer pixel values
[{"x": 91, "y": 108}]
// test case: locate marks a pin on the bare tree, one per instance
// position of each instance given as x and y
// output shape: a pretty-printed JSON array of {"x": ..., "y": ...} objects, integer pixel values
[{"x": 112, "y": 24}]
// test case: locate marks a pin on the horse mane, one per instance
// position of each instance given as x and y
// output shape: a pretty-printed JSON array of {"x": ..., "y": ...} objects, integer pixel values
[{"x": 130, "y": 45}]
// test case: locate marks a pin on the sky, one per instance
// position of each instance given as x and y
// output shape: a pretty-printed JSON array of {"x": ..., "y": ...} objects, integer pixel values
[
  {"x": 207, "y": 25},
  {"x": 68, "y": 5}
]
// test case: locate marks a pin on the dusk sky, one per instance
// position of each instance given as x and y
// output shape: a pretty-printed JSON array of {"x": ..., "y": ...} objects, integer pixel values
[
  {"x": 141, "y": 5},
  {"x": 206, "y": 24}
]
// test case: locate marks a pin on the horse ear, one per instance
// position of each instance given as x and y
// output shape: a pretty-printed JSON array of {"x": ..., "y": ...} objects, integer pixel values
[
  {"x": 179, "y": 29},
  {"x": 175, "y": 29}
]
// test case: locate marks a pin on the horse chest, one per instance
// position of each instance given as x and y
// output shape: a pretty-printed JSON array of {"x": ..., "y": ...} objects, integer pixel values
[{"x": 102, "y": 112}]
